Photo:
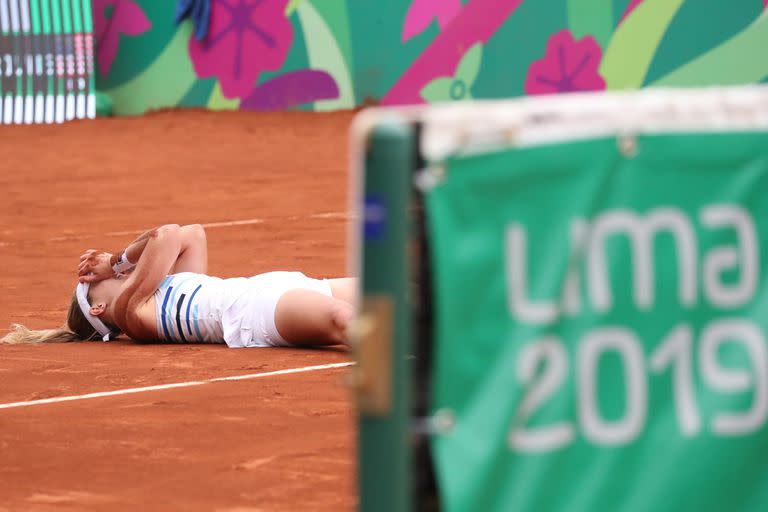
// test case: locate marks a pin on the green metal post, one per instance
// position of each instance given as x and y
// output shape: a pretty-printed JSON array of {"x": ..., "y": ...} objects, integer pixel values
[{"x": 384, "y": 454}]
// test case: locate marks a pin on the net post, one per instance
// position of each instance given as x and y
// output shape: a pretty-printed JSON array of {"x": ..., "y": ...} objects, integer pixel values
[{"x": 383, "y": 374}]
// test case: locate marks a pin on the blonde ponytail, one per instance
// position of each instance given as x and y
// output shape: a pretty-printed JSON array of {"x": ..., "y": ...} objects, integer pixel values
[
  {"x": 20, "y": 334},
  {"x": 77, "y": 328}
]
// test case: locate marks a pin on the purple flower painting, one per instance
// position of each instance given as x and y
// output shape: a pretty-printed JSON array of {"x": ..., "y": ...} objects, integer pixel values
[
  {"x": 111, "y": 19},
  {"x": 291, "y": 89},
  {"x": 567, "y": 66},
  {"x": 245, "y": 38}
]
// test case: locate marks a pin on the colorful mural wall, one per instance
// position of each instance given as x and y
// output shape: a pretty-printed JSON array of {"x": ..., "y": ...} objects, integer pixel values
[{"x": 334, "y": 54}]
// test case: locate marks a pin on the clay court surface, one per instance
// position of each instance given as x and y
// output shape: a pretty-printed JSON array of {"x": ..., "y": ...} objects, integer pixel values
[{"x": 272, "y": 192}]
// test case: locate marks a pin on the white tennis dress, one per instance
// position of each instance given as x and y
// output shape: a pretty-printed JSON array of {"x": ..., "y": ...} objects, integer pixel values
[{"x": 239, "y": 311}]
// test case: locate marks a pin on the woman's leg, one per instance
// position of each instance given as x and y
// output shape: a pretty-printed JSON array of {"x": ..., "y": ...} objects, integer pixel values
[{"x": 307, "y": 317}]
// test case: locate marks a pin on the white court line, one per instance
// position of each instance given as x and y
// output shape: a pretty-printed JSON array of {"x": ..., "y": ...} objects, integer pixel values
[
  {"x": 174, "y": 385},
  {"x": 223, "y": 224},
  {"x": 246, "y": 222}
]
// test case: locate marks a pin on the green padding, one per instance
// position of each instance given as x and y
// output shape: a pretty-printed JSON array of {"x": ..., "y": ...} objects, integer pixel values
[
  {"x": 644, "y": 385},
  {"x": 384, "y": 472}
]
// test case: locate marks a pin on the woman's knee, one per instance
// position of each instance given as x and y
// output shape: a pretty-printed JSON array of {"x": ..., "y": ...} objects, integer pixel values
[
  {"x": 341, "y": 317},
  {"x": 306, "y": 317}
]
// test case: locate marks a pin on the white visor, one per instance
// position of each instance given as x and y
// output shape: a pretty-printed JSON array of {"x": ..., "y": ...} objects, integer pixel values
[{"x": 85, "y": 308}]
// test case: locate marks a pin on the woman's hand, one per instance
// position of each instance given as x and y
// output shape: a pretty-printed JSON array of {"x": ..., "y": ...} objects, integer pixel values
[{"x": 94, "y": 266}]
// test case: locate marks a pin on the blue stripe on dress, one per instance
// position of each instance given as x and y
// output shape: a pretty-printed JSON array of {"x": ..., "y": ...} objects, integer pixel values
[
  {"x": 189, "y": 304},
  {"x": 178, "y": 317},
  {"x": 162, "y": 315},
  {"x": 172, "y": 305},
  {"x": 197, "y": 326}
]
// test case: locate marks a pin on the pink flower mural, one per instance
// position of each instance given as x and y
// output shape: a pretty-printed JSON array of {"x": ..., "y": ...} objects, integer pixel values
[
  {"x": 245, "y": 38},
  {"x": 111, "y": 19},
  {"x": 421, "y": 13},
  {"x": 567, "y": 66}
]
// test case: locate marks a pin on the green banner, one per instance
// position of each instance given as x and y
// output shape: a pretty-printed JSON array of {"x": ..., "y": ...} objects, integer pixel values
[{"x": 601, "y": 317}]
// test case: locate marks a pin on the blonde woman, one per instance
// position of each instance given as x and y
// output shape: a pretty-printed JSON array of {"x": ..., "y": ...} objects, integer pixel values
[{"x": 157, "y": 290}]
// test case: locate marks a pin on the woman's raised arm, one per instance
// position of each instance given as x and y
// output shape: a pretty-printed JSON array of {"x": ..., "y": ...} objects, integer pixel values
[
  {"x": 158, "y": 256},
  {"x": 194, "y": 250},
  {"x": 193, "y": 256}
]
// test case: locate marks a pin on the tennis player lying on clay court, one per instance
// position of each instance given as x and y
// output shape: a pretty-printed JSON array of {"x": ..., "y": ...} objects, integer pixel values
[{"x": 157, "y": 289}]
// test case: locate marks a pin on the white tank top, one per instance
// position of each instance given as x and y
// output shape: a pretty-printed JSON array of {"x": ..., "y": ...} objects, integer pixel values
[{"x": 195, "y": 307}]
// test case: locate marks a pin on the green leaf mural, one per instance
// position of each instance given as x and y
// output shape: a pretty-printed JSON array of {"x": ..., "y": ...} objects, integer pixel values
[
  {"x": 633, "y": 45},
  {"x": 439, "y": 90},
  {"x": 152, "y": 88},
  {"x": 469, "y": 65},
  {"x": 218, "y": 101},
  {"x": 292, "y": 6},
  {"x": 324, "y": 54},
  {"x": 689, "y": 36},
  {"x": 198, "y": 94},
  {"x": 740, "y": 60},
  {"x": 459, "y": 86},
  {"x": 591, "y": 18}
]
